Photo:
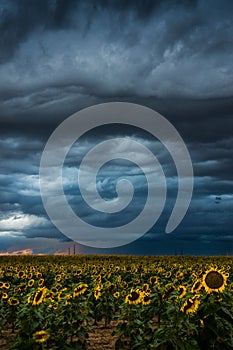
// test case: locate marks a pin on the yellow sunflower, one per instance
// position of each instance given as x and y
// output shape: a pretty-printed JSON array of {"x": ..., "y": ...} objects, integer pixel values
[
  {"x": 179, "y": 274},
  {"x": 30, "y": 275},
  {"x": 123, "y": 292},
  {"x": 168, "y": 274},
  {"x": 145, "y": 287},
  {"x": 214, "y": 280},
  {"x": 54, "y": 289},
  {"x": 62, "y": 294},
  {"x": 6, "y": 285},
  {"x": 154, "y": 280},
  {"x": 182, "y": 290},
  {"x": 98, "y": 287},
  {"x": 124, "y": 285},
  {"x": 21, "y": 274},
  {"x": 145, "y": 299},
  {"x": 41, "y": 282},
  {"x": 78, "y": 272},
  {"x": 80, "y": 289},
  {"x": 30, "y": 283},
  {"x": 13, "y": 301},
  {"x": 116, "y": 295},
  {"x": 23, "y": 286},
  {"x": 190, "y": 305},
  {"x": 58, "y": 278},
  {"x": 48, "y": 296},
  {"x": 137, "y": 281},
  {"x": 197, "y": 286},
  {"x": 97, "y": 294},
  {"x": 119, "y": 278},
  {"x": 41, "y": 336},
  {"x": 168, "y": 291},
  {"x": 39, "y": 295},
  {"x": 134, "y": 297},
  {"x": 4, "y": 296}
]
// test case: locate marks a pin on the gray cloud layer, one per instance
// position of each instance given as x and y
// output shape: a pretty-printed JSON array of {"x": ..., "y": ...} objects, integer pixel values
[
  {"x": 53, "y": 50},
  {"x": 57, "y": 57}
]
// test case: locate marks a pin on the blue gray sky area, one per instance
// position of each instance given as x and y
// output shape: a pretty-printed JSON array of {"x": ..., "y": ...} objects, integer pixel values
[{"x": 60, "y": 56}]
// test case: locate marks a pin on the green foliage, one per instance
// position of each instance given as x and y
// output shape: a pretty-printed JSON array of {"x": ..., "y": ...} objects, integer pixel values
[{"x": 161, "y": 317}]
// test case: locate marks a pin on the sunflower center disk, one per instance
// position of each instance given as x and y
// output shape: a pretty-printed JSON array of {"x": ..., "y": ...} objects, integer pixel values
[{"x": 214, "y": 280}]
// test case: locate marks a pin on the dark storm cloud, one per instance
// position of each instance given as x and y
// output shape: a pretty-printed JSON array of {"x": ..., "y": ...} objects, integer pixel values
[
  {"x": 20, "y": 18},
  {"x": 20, "y": 187},
  {"x": 57, "y": 57},
  {"x": 106, "y": 49},
  {"x": 213, "y": 159}
]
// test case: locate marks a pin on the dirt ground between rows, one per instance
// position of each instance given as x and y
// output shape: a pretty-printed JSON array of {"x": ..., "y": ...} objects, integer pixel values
[{"x": 100, "y": 338}]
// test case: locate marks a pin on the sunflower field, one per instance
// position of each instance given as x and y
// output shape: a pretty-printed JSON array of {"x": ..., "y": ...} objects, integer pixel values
[{"x": 165, "y": 303}]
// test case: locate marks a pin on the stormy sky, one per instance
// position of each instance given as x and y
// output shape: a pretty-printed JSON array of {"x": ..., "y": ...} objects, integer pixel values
[{"x": 60, "y": 56}]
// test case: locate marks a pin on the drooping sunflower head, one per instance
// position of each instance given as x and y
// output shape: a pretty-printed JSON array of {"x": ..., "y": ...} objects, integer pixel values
[
  {"x": 23, "y": 286},
  {"x": 98, "y": 279},
  {"x": 58, "y": 278},
  {"x": 145, "y": 287},
  {"x": 194, "y": 275},
  {"x": 197, "y": 286},
  {"x": 154, "y": 280},
  {"x": 13, "y": 301},
  {"x": 136, "y": 281},
  {"x": 30, "y": 275},
  {"x": 98, "y": 287},
  {"x": 54, "y": 289},
  {"x": 48, "y": 296},
  {"x": 169, "y": 289},
  {"x": 179, "y": 274},
  {"x": 107, "y": 284},
  {"x": 168, "y": 274},
  {"x": 214, "y": 280},
  {"x": 124, "y": 285},
  {"x": 41, "y": 282},
  {"x": 145, "y": 299},
  {"x": 123, "y": 292},
  {"x": 134, "y": 297},
  {"x": 182, "y": 290},
  {"x": 97, "y": 294},
  {"x": 190, "y": 305},
  {"x": 118, "y": 279},
  {"x": 62, "y": 294},
  {"x": 39, "y": 295},
  {"x": 80, "y": 289},
  {"x": 41, "y": 336},
  {"x": 78, "y": 272},
  {"x": 6, "y": 285}
]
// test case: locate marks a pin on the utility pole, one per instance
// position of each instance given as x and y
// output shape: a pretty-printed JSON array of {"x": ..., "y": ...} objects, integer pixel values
[{"x": 74, "y": 249}]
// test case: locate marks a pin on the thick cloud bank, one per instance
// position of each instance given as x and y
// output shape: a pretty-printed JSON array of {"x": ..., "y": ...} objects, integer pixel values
[{"x": 59, "y": 56}]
